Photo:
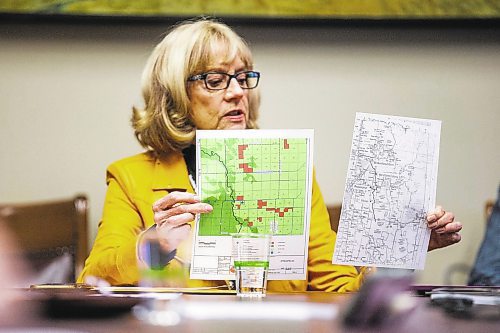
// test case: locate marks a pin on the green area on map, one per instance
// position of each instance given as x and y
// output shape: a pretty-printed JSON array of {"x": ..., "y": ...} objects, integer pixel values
[{"x": 254, "y": 185}]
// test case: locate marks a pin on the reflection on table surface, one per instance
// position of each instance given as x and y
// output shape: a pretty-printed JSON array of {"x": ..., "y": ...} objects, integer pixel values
[{"x": 84, "y": 311}]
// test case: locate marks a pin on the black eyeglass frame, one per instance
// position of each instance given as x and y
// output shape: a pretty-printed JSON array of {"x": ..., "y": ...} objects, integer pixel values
[{"x": 203, "y": 76}]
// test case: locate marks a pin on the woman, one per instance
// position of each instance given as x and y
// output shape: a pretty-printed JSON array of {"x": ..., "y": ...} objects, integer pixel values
[{"x": 187, "y": 85}]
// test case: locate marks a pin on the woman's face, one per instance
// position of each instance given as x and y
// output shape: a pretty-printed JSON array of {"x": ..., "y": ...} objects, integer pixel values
[{"x": 220, "y": 109}]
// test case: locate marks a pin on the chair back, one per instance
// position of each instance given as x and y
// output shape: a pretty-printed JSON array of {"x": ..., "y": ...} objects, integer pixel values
[
  {"x": 46, "y": 231},
  {"x": 488, "y": 209},
  {"x": 334, "y": 212}
]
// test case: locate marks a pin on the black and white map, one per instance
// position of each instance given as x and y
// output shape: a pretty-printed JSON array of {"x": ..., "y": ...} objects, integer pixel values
[{"x": 390, "y": 186}]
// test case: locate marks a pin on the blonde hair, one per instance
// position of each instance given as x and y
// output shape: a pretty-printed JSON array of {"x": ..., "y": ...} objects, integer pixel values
[{"x": 165, "y": 125}]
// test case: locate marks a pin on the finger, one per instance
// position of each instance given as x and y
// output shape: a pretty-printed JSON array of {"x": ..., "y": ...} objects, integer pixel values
[
  {"x": 456, "y": 237},
  {"x": 196, "y": 208},
  {"x": 174, "y": 198},
  {"x": 448, "y": 217},
  {"x": 449, "y": 228},
  {"x": 435, "y": 214},
  {"x": 177, "y": 220}
]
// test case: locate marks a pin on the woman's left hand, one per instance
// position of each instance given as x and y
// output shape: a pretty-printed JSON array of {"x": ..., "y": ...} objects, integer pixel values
[{"x": 444, "y": 228}]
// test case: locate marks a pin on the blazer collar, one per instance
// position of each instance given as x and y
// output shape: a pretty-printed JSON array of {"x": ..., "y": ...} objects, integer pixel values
[{"x": 170, "y": 173}]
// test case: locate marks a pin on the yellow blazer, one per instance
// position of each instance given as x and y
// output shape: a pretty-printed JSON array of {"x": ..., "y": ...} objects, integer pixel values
[{"x": 136, "y": 182}]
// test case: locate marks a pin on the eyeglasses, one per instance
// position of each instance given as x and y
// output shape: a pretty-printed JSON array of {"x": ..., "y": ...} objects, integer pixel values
[{"x": 221, "y": 81}]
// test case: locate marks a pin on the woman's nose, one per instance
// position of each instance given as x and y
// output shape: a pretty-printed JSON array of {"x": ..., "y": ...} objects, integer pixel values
[{"x": 234, "y": 89}]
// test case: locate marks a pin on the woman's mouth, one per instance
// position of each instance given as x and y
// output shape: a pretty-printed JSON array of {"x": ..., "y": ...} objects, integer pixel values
[{"x": 235, "y": 116}]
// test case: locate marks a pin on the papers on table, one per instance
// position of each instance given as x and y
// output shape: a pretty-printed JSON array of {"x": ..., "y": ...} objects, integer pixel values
[
  {"x": 158, "y": 291},
  {"x": 289, "y": 311}
]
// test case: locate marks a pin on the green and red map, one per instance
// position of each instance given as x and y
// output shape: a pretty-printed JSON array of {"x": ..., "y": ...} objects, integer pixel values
[
  {"x": 254, "y": 185},
  {"x": 257, "y": 181}
]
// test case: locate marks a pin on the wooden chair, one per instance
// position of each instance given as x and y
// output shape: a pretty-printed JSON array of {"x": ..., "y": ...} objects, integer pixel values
[
  {"x": 334, "y": 212},
  {"x": 48, "y": 230},
  {"x": 488, "y": 208}
]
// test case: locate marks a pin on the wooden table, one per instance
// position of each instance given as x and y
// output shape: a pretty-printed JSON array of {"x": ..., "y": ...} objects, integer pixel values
[{"x": 29, "y": 313}]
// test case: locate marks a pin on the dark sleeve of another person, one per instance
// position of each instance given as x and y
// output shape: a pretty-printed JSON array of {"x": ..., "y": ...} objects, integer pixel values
[{"x": 486, "y": 270}]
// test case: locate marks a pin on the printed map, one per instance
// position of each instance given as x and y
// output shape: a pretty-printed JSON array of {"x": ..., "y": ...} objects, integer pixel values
[
  {"x": 390, "y": 186},
  {"x": 254, "y": 185},
  {"x": 257, "y": 181}
]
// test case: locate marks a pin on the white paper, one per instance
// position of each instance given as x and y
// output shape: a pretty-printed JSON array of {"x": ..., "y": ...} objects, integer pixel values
[
  {"x": 288, "y": 311},
  {"x": 257, "y": 181},
  {"x": 390, "y": 186}
]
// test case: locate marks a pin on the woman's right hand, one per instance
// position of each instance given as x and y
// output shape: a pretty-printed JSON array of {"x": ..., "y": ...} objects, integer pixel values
[{"x": 172, "y": 215}]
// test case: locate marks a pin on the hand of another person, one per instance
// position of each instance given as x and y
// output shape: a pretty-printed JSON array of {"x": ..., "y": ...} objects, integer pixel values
[
  {"x": 172, "y": 215},
  {"x": 444, "y": 228}
]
